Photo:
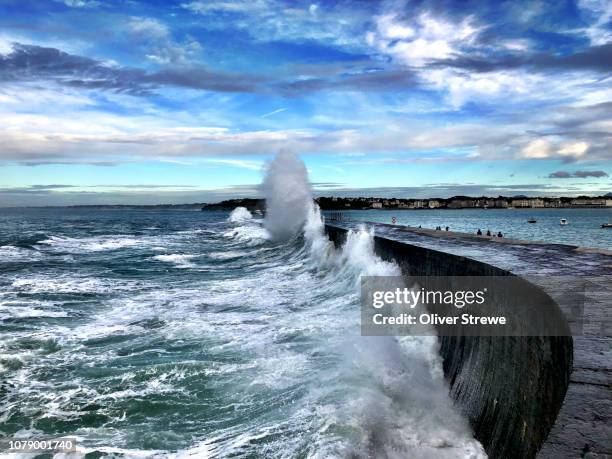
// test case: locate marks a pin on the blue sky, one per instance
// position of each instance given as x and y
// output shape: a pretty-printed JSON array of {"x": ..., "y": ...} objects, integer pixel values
[{"x": 168, "y": 102}]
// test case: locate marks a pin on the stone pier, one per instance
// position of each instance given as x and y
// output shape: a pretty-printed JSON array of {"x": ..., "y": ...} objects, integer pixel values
[{"x": 549, "y": 397}]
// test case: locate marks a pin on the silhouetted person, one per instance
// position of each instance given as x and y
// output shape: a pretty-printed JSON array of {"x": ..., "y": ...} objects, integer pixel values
[
  {"x": 478, "y": 233},
  {"x": 447, "y": 228},
  {"x": 488, "y": 232},
  {"x": 499, "y": 234}
]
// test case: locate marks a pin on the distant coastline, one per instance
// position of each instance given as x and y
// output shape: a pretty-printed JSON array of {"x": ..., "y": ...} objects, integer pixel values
[{"x": 377, "y": 203}]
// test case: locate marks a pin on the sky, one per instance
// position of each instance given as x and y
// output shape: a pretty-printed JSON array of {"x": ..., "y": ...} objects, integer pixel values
[{"x": 145, "y": 102}]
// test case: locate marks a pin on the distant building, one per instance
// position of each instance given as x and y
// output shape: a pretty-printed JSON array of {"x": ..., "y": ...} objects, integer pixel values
[
  {"x": 520, "y": 203},
  {"x": 377, "y": 205},
  {"x": 601, "y": 202},
  {"x": 433, "y": 204},
  {"x": 591, "y": 202},
  {"x": 536, "y": 202},
  {"x": 554, "y": 203},
  {"x": 461, "y": 203},
  {"x": 418, "y": 204}
]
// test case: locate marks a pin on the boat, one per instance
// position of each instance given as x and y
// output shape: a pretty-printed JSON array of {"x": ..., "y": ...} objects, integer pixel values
[
  {"x": 563, "y": 221},
  {"x": 531, "y": 220},
  {"x": 606, "y": 225}
]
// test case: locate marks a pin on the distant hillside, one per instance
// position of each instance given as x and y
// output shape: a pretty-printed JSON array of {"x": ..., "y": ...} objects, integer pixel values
[{"x": 230, "y": 204}]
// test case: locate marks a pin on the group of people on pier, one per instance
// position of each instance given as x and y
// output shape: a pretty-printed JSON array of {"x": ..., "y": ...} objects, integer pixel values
[{"x": 479, "y": 233}]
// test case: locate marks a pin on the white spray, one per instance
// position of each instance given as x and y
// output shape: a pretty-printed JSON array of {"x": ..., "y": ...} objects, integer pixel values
[
  {"x": 288, "y": 196},
  {"x": 412, "y": 414},
  {"x": 239, "y": 215}
]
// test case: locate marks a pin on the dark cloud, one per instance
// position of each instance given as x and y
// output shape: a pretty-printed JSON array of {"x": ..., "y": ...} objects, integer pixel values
[
  {"x": 585, "y": 174},
  {"x": 35, "y": 63},
  {"x": 33, "y": 189},
  {"x": 376, "y": 80},
  {"x": 597, "y": 58},
  {"x": 559, "y": 174},
  {"x": 66, "y": 189},
  {"x": 32, "y": 63},
  {"x": 578, "y": 174}
]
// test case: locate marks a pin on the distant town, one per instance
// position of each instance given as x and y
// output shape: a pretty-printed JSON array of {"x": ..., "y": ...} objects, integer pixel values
[
  {"x": 456, "y": 202},
  {"x": 462, "y": 202},
  {"x": 363, "y": 203}
]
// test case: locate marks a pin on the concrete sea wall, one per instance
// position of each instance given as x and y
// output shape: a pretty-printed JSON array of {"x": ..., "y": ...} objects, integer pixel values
[{"x": 510, "y": 388}]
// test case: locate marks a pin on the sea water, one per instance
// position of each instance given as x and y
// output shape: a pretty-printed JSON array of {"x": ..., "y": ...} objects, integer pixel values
[
  {"x": 148, "y": 333},
  {"x": 583, "y": 225}
]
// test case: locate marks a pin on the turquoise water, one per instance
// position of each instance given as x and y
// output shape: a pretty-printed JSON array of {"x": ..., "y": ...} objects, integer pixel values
[
  {"x": 182, "y": 334},
  {"x": 583, "y": 228}
]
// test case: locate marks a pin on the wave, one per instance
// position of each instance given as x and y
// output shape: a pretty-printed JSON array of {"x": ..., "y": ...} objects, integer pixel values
[
  {"x": 66, "y": 284},
  {"x": 18, "y": 254},
  {"x": 92, "y": 244},
  {"x": 180, "y": 260},
  {"x": 239, "y": 215},
  {"x": 388, "y": 395}
]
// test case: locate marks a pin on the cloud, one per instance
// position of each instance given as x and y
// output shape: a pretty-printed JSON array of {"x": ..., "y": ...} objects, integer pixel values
[
  {"x": 156, "y": 194},
  {"x": 425, "y": 39},
  {"x": 578, "y": 174},
  {"x": 555, "y": 147},
  {"x": 36, "y": 63},
  {"x": 243, "y": 164},
  {"x": 597, "y": 58},
  {"x": 538, "y": 148},
  {"x": 559, "y": 174},
  {"x": 585, "y": 174},
  {"x": 30, "y": 63},
  {"x": 104, "y": 139},
  {"x": 364, "y": 81},
  {"x": 447, "y": 190},
  {"x": 599, "y": 14},
  {"x": 573, "y": 149},
  {"x": 81, "y": 3},
  {"x": 336, "y": 24},
  {"x": 156, "y": 39}
]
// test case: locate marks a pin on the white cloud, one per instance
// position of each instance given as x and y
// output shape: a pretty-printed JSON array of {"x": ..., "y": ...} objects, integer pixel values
[
  {"x": 573, "y": 149},
  {"x": 82, "y": 3},
  {"x": 543, "y": 148},
  {"x": 243, "y": 164},
  {"x": 156, "y": 38},
  {"x": 599, "y": 12},
  {"x": 464, "y": 87},
  {"x": 389, "y": 28},
  {"x": 148, "y": 27},
  {"x": 270, "y": 20},
  {"x": 516, "y": 45},
  {"x": 425, "y": 39},
  {"x": 536, "y": 149}
]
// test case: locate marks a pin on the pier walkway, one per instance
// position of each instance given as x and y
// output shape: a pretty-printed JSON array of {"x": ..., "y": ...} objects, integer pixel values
[{"x": 584, "y": 425}]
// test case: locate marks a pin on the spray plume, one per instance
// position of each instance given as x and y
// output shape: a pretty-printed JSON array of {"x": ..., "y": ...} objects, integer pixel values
[{"x": 288, "y": 196}]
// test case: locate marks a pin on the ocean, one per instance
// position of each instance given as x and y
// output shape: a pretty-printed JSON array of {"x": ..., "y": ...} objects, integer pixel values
[
  {"x": 147, "y": 333},
  {"x": 583, "y": 225}
]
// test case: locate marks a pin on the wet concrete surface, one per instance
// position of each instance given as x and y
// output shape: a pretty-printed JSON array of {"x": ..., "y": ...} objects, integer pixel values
[{"x": 583, "y": 427}]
